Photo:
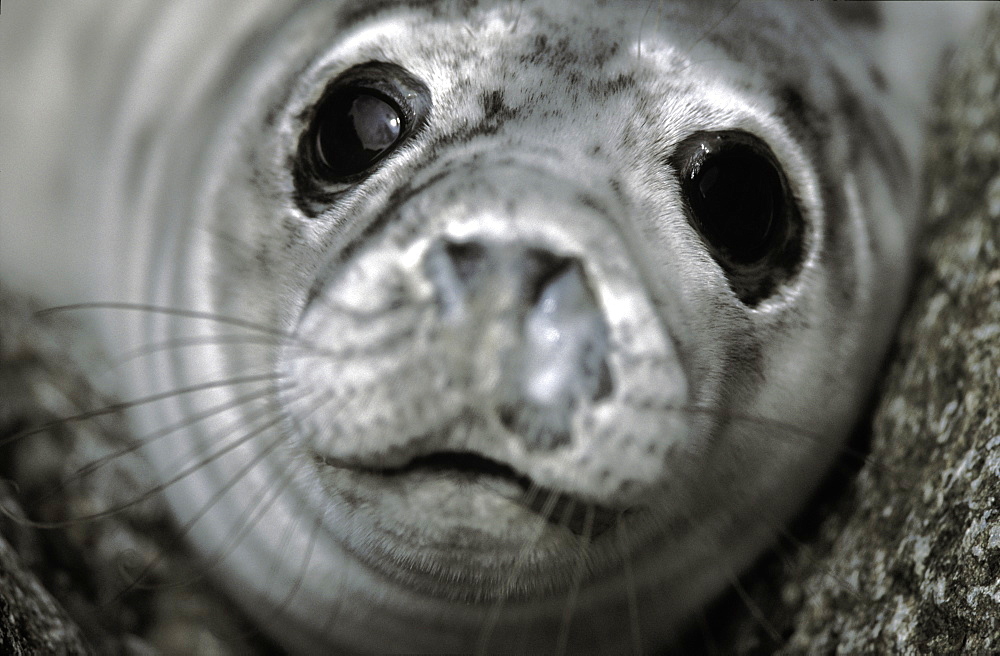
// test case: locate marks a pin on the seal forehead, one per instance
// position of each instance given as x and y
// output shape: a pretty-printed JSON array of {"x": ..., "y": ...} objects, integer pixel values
[{"x": 548, "y": 59}]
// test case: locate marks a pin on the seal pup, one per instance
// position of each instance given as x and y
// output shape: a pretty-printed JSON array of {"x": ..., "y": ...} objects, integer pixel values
[{"x": 474, "y": 325}]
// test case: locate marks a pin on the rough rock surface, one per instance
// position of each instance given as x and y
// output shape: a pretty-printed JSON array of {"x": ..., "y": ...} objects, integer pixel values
[
  {"x": 116, "y": 584},
  {"x": 899, "y": 554},
  {"x": 31, "y": 620},
  {"x": 906, "y": 557}
]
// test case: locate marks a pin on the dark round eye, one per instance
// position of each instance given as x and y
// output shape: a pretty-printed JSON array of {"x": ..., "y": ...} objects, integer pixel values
[
  {"x": 737, "y": 198},
  {"x": 739, "y": 201},
  {"x": 362, "y": 116},
  {"x": 354, "y": 129}
]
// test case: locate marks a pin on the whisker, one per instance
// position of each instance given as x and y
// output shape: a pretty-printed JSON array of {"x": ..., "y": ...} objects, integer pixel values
[
  {"x": 175, "y": 312},
  {"x": 140, "y": 443},
  {"x": 631, "y": 591},
  {"x": 246, "y": 524},
  {"x": 642, "y": 23},
  {"x": 781, "y": 428},
  {"x": 189, "y": 342},
  {"x": 306, "y": 560},
  {"x": 588, "y": 527},
  {"x": 187, "y": 422},
  {"x": 755, "y": 610},
  {"x": 125, "y": 405},
  {"x": 185, "y": 472},
  {"x": 370, "y": 348},
  {"x": 493, "y": 617},
  {"x": 733, "y": 579},
  {"x": 809, "y": 555},
  {"x": 547, "y": 512},
  {"x": 517, "y": 19},
  {"x": 714, "y": 26}
]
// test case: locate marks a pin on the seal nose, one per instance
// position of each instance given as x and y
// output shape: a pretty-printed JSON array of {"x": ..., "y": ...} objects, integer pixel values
[
  {"x": 553, "y": 344},
  {"x": 462, "y": 272}
]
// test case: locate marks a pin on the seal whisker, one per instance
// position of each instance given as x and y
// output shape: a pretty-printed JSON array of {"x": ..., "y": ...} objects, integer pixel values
[
  {"x": 298, "y": 581},
  {"x": 206, "y": 564},
  {"x": 562, "y": 642},
  {"x": 816, "y": 561},
  {"x": 192, "y": 342},
  {"x": 174, "y": 312},
  {"x": 235, "y": 534},
  {"x": 119, "y": 406},
  {"x": 493, "y": 616},
  {"x": 182, "y": 474},
  {"x": 734, "y": 584},
  {"x": 714, "y": 26},
  {"x": 755, "y": 610},
  {"x": 631, "y": 591},
  {"x": 783, "y": 430},
  {"x": 134, "y": 445},
  {"x": 642, "y": 23}
]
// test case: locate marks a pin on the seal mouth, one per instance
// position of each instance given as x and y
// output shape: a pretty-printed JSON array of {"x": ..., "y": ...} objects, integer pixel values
[{"x": 582, "y": 518}]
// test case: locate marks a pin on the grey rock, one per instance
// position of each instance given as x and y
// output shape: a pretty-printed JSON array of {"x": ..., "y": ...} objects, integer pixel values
[{"x": 32, "y": 621}]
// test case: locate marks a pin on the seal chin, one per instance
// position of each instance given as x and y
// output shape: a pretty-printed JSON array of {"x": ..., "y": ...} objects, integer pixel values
[{"x": 466, "y": 527}]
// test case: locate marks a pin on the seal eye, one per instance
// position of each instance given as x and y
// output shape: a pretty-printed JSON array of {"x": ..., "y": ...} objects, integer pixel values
[
  {"x": 361, "y": 117},
  {"x": 736, "y": 197},
  {"x": 355, "y": 128},
  {"x": 739, "y": 202}
]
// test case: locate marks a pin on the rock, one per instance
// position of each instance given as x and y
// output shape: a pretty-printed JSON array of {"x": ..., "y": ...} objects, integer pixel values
[{"x": 31, "y": 620}]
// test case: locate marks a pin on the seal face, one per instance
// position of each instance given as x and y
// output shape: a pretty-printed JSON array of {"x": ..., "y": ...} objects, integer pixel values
[{"x": 498, "y": 325}]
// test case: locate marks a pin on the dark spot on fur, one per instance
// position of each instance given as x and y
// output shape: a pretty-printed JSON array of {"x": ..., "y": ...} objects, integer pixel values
[
  {"x": 858, "y": 14},
  {"x": 794, "y": 103},
  {"x": 834, "y": 249},
  {"x": 590, "y": 202},
  {"x": 810, "y": 125},
  {"x": 541, "y": 42},
  {"x": 395, "y": 201},
  {"x": 493, "y": 104},
  {"x": 878, "y": 78},
  {"x": 611, "y": 86},
  {"x": 616, "y": 188}
]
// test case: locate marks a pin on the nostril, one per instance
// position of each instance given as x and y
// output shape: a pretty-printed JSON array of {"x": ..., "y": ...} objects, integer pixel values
[
  {"x": 542, "y": 268},
  {"x": 528, "y": 269},
  {"x": 468, "y": 259},
  {"x": 456, "y": 270},
  {"x": 464, "y": 270}
]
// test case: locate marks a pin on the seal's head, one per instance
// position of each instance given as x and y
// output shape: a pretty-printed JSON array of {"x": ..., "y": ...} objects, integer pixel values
[{"x": 561, "y": 309}]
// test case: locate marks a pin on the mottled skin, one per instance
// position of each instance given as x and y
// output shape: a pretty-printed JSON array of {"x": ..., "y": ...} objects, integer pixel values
[{"x": 551, "y": 125}]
